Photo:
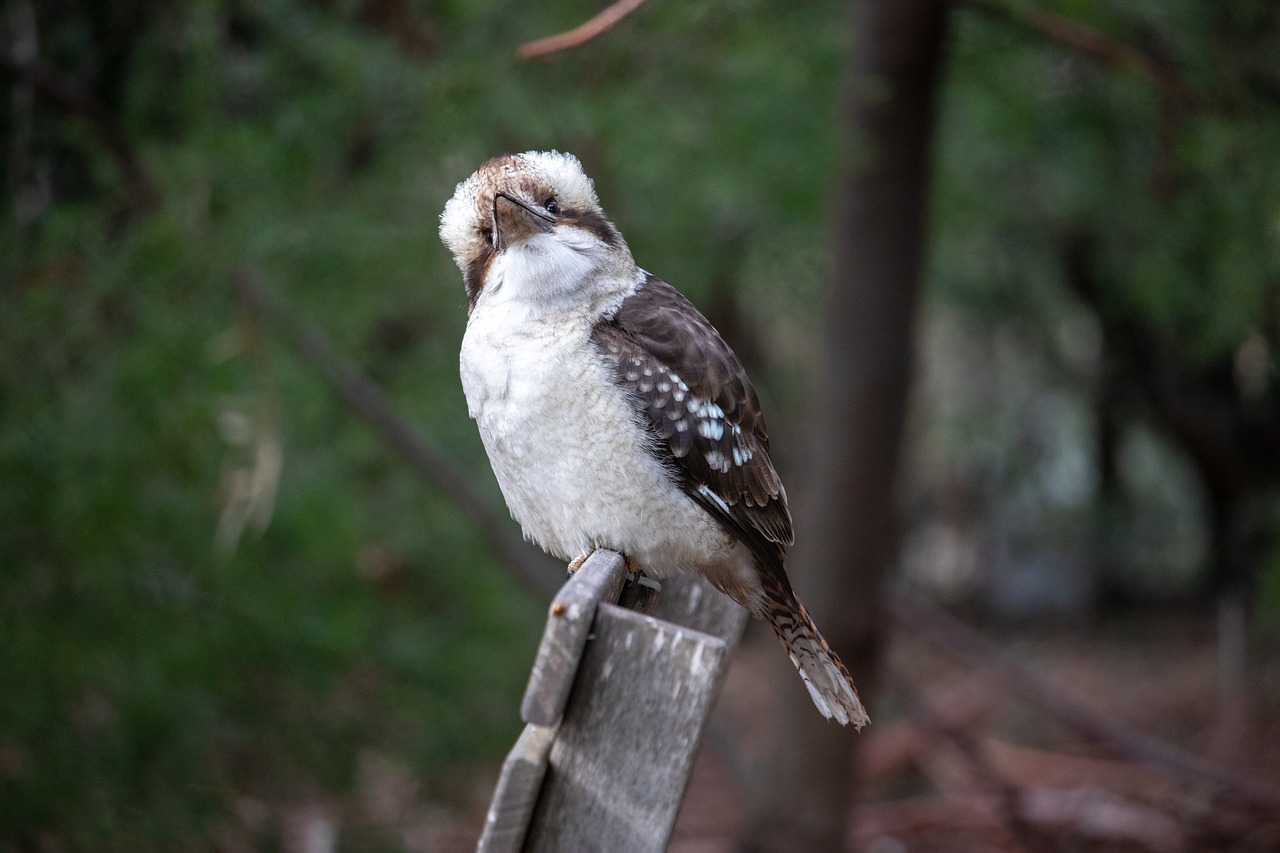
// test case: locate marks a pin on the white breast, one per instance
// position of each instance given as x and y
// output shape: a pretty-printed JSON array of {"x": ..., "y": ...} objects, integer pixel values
[{"x": 567, "y": 449}]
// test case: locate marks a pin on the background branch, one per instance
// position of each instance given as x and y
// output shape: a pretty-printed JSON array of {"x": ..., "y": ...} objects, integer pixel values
[
  {"x": 538, "y": 572},
  {"x": 580, "y": 34}
]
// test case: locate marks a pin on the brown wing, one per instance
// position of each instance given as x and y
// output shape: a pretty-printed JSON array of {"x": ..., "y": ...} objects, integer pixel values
[{"x": 700, "y": 406}]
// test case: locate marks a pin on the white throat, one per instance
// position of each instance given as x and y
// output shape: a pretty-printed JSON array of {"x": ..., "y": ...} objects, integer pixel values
[{"x": 566, "y": 271}]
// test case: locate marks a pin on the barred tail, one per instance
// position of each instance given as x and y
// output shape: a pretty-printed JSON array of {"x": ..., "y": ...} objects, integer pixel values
[{"x": 829, "y": 683}]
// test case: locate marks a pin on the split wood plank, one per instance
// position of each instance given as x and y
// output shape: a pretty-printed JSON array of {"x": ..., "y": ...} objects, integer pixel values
[
  {"x": 568, "y": 623},
  {"x": 517, "y": 791},
  {"x": 622, "y": 756}
]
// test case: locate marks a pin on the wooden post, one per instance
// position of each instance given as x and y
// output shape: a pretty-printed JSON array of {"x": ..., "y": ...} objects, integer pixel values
[{"x": 616, "y": 706}]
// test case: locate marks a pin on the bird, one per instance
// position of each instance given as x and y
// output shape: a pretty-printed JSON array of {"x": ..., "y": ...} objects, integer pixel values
[{"x": 613, "y": 413}]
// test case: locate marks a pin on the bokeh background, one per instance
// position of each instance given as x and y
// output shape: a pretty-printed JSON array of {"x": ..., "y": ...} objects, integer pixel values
[{"x": 226, "y": 604}]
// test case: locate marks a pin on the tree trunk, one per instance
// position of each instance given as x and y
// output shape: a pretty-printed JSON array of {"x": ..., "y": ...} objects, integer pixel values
[{"x": 846, "y": 516}]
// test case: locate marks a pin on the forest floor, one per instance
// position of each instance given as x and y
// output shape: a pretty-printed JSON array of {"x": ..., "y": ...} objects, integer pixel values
[{"x": 986, "y": 770}]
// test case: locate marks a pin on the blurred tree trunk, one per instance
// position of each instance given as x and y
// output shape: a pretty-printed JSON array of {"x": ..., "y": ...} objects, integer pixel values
[{"x": 847, "y": 526}]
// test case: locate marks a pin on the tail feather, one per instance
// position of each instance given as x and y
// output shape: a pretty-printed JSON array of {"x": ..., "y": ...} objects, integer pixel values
[{"x": 828, "y": 680}]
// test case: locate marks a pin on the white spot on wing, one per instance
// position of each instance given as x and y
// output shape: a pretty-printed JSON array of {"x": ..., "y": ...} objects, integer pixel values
[{"x": 701, "y": 408}]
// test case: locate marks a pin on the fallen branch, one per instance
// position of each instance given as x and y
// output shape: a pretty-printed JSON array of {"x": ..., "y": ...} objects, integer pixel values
[
  {"x": 580, "y": 34},
  {"x": 1103, "y": 815},
  {"x": 367, "y": 400},
  {"x": 1055, "y": 813},
  {"x": 1007, "y": 803},
  {"x": 909, "y": 816},
  {"x": 67, "y": 93},
  {"x": 1028, "y": 767},
  {"x": 893, "y": 747},
  {"x": 960, "y": 641}
]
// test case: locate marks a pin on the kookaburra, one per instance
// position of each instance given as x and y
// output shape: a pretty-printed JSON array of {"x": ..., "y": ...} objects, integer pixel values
[{"x": 613, "y": 413}]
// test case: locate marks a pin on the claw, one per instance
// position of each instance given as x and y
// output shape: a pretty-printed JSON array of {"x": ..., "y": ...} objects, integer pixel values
[
  {"x": 579, "y": 560},
  {"x": 636, "y": 575}
]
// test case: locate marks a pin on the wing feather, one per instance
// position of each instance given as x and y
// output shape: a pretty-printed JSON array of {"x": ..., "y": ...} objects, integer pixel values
[{"x": 695, "y": 398}]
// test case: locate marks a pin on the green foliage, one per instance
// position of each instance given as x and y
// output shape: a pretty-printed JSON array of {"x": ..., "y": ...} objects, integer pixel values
[
  {"x": 1177, "y": 183},
  {"x": 1165, "y": 175}
]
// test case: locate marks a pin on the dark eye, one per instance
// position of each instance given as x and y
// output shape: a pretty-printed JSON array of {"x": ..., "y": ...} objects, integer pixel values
[
  {"x": 552, "y": 207},
  {"x": 487, "y": 234}
]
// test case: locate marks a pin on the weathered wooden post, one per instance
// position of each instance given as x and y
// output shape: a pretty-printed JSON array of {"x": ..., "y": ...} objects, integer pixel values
[{"x": 615, "y": 710}]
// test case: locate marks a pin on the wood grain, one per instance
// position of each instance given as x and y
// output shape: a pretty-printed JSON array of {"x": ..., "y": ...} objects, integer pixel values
[
  {"x": 691, "y": 601},
  {"x": 621, "y": 758}
]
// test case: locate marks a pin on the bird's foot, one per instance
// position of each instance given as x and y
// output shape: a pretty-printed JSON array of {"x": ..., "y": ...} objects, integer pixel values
[
  {"x": 639, "y": 593},
  {"x": 579, "y": 560},
  {"x": 636, "y": 575}
]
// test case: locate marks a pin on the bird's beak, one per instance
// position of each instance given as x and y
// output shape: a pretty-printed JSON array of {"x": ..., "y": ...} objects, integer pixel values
[{"x": 513, "y": 220}]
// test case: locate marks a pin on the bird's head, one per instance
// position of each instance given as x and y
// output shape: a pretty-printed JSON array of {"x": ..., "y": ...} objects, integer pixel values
[{"x": 531, "y": 222}]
